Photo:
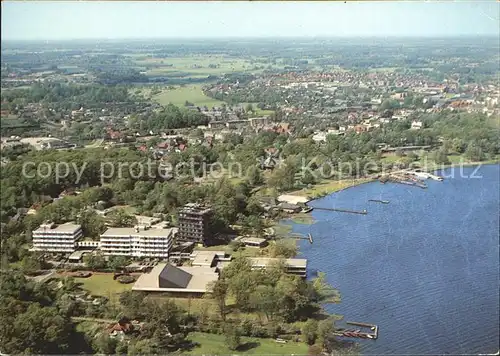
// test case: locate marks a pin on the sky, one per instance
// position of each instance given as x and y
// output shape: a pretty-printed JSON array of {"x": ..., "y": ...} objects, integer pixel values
[{"x": 64, "y": 20}]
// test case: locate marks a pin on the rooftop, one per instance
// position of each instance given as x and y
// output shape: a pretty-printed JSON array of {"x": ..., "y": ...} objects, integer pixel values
[
  {"x": 195, "y": 208},
  {"x": 179, "y": 279},
  {"x": 290, "y": 262},
  {"x": 255, "y": 240},
  {"x": 130, "y": 231},
  {"x": 63, "y": 228}
]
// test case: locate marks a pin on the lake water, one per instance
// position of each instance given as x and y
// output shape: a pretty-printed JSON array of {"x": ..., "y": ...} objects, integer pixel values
[{"x": 424, "y": 268}]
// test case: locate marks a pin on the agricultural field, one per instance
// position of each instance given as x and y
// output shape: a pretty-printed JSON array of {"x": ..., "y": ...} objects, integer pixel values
[{"x": 192, "y": 66}]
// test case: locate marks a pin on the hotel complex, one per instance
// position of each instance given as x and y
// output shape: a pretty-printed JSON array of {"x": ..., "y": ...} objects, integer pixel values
[
  {"x": 139, "y": 241},
  {"x": 62, "y": 238}
]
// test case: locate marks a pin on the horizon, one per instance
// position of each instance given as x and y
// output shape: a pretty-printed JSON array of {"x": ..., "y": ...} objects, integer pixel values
[
  {"x": 70, "y": 21},
  {"x": 270, "y": 38}
]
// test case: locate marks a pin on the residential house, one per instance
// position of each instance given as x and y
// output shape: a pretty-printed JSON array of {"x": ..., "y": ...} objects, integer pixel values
[{"x": 416, "y": 125}]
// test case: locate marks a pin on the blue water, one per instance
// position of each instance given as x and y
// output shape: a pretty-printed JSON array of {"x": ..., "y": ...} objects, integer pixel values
[{"x": 425, "y": 267}]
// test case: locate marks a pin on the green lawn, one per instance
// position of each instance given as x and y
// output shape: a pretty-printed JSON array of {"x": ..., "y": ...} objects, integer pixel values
[
  {"x": 191, "y": 93},
  {"x": 103, "y": 285},
  {"x": 211, "y": 344}
]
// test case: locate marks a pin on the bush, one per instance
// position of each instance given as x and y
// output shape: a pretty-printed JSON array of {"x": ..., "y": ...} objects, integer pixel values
[
  {"x": 259, "y": 331},
  {"x": 82, "y": 274},
  {"x": 125, "y": 279},
  {"x": 233, "y": 339},
  {"x": 247, "y": 328}
]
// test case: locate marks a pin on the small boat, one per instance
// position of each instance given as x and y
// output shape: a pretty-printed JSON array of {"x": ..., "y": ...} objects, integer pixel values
[{"x": 370, "y": 336}]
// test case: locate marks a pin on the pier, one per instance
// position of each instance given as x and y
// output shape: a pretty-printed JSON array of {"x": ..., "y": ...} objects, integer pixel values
[
  {"x": 425, "y": 175},
  {"x": 358, "y": 333},
  {"x": 308, "y": 238},
  {"x": 362, "y": 212},
  {"x": 379, "y": 201},
  {"x": 414, "y": 184}
]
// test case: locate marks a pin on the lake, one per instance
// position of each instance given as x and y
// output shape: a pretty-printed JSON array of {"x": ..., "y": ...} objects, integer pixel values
[{"x": 424, "y": 268}]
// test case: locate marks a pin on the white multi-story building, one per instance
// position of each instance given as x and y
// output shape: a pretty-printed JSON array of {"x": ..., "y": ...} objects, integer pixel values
[
  {"x": 56, "y": 238},
  {"x": 137, "y": 242}
]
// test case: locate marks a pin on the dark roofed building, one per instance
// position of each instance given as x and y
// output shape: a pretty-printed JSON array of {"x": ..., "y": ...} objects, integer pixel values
[
  {"x": 182, "y": 281},
  {"x": 173, "y": 277}
]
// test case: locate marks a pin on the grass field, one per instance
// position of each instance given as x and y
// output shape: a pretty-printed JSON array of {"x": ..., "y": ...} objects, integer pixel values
[
  {"x": 103, "y": 285},
  {"x": 193, "y": 66},
  {"x": 191, "y": 93},
  {"x": 211, "y": 344}
]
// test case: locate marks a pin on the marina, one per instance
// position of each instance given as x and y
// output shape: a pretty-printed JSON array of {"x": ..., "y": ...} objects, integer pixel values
[{"x": 408, "y": 261}]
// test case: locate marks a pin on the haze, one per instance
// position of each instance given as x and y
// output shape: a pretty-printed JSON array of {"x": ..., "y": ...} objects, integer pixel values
[{"x": 114, "y": 20}]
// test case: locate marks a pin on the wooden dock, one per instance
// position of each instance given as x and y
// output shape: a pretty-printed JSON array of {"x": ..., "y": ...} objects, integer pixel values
[
  {"x": 358, "y": 333},
  {"x": 308, "y": 238},
  {"x": 362, "y": 212}
]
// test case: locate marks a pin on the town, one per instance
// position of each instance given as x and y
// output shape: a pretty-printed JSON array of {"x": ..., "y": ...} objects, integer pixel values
[{"x": 240, "y": 138}]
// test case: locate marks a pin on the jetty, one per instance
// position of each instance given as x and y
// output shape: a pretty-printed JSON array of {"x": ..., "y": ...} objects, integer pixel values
[
  {"x": 425, "y": 175},
  {"x": 404, "y": 178},
  {"x": 362, "y": 212},
  {"x": 414, "y": 184},
  {"x": 308, "y": 238},
  {"x": 358, "y": 333},
  {"x": 379, "y": 201}
]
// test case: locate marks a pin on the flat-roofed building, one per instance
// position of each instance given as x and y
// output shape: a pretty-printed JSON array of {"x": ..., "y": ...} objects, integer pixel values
[
  {"x": 254, "y": 241},
  {"x": 165, "y": 277},
  {"x": 137, "y": 242},
  {"x": 194, "y": 223},
  {"x": 50, "y": 237},
  {"x": 208, "y": 258},
  {"x": 259, "y": 121},
  {"x": 296, "y": 266}
]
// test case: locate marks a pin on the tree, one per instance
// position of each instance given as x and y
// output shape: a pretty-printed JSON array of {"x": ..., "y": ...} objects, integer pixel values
[
  {"x": 441, "y": 156},
  {"x": 249, "y": 107},
  {"x": 266, "y": 300},
  {"x": 254, "y": 176},
  {"x": 93, "y": 225},
  {"x": 308, "y": 178},
  {"x": 241, "y": 281},
  {"x": 38, "y": 330},
  {"x": 253, "y": 224},
  {"x": 94, "y": 261},
  {"x": 104, "y": 344},
  {"x": 120, "y": 218},
  {"x": 233, "y": 339},
  {"x": 325, "y": 330},
  {"x": 132, "y": 302},
  {"x": 474, "y": 152},
  {"x": 220, "y": 289},
  {"x": 283, "y": 248},
  {"x": 142, "y": 347},
  {"x": 117, "y": 262},
  {"x": 30, "y": 265},
  {"x": 309, "y": 331}
]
